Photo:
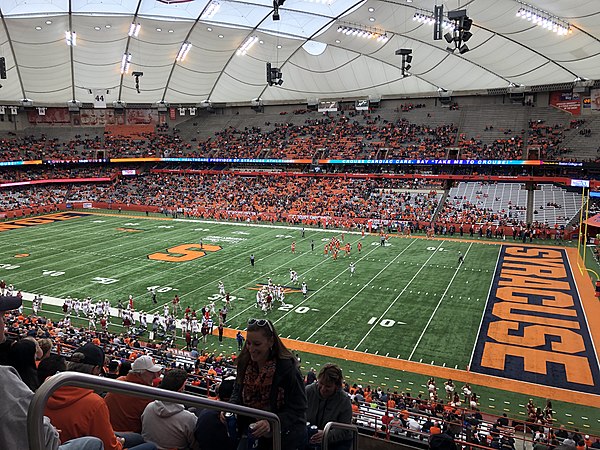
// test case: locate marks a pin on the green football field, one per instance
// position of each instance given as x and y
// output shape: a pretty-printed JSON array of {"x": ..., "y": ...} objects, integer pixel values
[{"x": 408, "y": 299}]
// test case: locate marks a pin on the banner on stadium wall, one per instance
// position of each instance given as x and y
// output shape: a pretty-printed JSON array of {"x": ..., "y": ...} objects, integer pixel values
[
  {"x": 142, "y": 116},
  {"x": 87, "y": 205},
  {"x": 172, "y": 114},
  {"x": 51, "y": 115},
  {"x": 100, "y": 117},
  {"x": 327, "y": 105},
  {"x": 567, "y": 101},
  {"x": 595, "y": 99},
  {"x": 361, "y": 105}
]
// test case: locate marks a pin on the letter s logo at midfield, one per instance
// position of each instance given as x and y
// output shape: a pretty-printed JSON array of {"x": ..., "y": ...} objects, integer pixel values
[{"x": 184, "y": 252}]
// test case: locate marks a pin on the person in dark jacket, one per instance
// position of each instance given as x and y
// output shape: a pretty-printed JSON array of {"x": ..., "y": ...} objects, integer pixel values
[
  {"x": 22, "y": 357},
  {"x": 268, "y": 378},
  {"x": 327, "y": 402}
]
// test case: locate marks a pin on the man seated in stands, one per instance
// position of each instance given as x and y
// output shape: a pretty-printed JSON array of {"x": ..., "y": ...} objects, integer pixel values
[
  {"x": 167, "y": 424},
  {"x": 327, "y": 402},
  {"x": 78, "y": 412},
  {"x": 126, "y": 410}
]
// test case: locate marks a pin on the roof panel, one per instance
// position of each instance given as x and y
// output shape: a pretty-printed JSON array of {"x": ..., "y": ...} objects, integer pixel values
[{"x": 503, "y": 48}]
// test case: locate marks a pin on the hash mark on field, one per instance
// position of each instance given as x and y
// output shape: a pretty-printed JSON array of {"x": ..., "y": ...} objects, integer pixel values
[
  {"x": 288, "y": 336},
  {"x": 325, "y": 343}
]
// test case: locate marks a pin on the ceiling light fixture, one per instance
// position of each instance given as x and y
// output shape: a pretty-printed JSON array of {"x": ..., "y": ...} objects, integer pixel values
[
  {"x": 134, "y": 29},
  {"x": 544, "y": 19},
  {"x": 364, "y": 32},
  {"x": 125, "y": 63},
  {"x": 247, "y": 45},
  {"x": 183, "y": 51},
  {"x": 71, "y": 38},
  {"x": 427, "y": 18}
]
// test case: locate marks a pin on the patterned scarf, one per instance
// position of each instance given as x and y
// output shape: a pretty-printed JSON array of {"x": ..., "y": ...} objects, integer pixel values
[{"x": 257, "y": 385}]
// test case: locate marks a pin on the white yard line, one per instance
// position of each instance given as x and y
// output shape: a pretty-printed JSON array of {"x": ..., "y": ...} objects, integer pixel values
[
  {"x": 398, "y": 296},
  {"x": 485, "y": 305},
  {"x": 286, "y": 264},
  {"x": 437, "y": 306},
  {"x": 362, "y": 289},
  {"x": 326, "y": 284}
]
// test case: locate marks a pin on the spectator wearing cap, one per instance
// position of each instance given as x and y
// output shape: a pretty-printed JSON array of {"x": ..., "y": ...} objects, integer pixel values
[
  {"x": 168, "y": 424},
  {"x": 327, "y": 402},
  {"x": 79, "y": 412},
  {"x": 7, "y": 303},
  {"x": 126, "y": 410}
]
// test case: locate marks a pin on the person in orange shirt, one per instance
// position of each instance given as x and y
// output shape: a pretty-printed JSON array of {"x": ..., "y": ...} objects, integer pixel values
[
  {"x": 435, "y": 429},
  {"x": 391, "y": 403},
  {"x": 126, "y": 410},
  {"x": 79, "y": 412}
]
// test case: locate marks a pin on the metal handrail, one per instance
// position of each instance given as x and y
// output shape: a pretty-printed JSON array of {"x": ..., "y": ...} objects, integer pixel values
[
  {"x": 343, "y": 426},
  {"x": 38, "y": 402}
]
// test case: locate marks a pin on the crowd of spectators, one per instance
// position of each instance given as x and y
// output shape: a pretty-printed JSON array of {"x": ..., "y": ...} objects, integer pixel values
[
  {"x": 342, "y": 135},
  {"x": 54, "y": 172},
  {"x": 232, "y": 196},
  {"x": 29, "y": 148},
  {"x": 335, "y": 201}
]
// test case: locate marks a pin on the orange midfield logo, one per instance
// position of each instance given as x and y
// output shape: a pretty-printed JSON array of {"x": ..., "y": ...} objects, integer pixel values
[{"x": 184, "y": 252}]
